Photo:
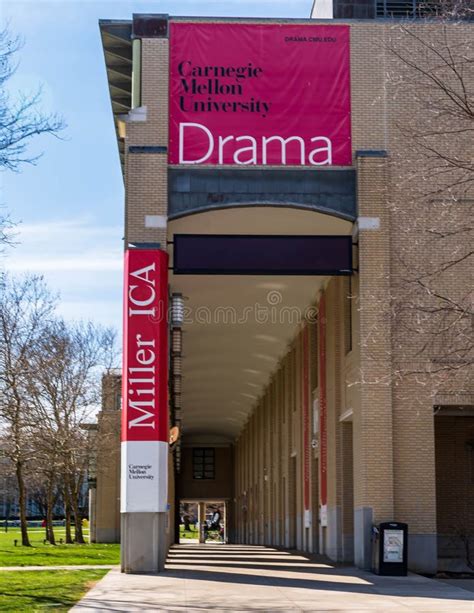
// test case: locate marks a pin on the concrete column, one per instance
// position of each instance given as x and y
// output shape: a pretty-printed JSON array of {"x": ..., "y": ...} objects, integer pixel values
[
  {"x": 414, "y": 468},
  {"x": 373, "y": 429},
  {"x": 202, "y": 521},
  {"x": 347, "y": 492},
  {"x": 334, "y": 372},
  {"x": 144, "y": 542},
  {"x": 226, "y": 519},
  {"x": 92, "y": 514},
  {"x": 298, "y": 440}
]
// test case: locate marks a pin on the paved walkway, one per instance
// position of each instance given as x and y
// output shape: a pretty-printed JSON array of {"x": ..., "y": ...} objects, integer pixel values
[
  {"x": 71, "y": 567},
  {"x": 234, "y": 578},
  {"x": 466, "y": 584}
]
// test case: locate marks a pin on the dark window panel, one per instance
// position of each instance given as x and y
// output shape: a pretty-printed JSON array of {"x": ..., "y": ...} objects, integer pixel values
[{"x": 232, "y": 254}]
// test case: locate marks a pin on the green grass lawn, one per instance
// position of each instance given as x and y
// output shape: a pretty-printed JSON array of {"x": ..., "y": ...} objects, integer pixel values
[
  {"x": 52, "y": 555},
  {"x": 188, "y": 534},
  {"x": 43, "y": 590}
]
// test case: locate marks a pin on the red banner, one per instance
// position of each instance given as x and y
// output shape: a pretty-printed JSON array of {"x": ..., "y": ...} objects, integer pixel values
[
  {"x": 145, "y": 354},
  {"x": 255, "y": 94},
  {"x": 323, "y": 432}
]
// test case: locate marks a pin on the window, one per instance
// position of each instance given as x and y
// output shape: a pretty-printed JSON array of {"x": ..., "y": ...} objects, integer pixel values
[{"x": 203, "y": 463}]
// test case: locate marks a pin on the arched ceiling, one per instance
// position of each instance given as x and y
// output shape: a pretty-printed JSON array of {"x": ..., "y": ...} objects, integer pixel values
[{"x": 237, "y": 328}]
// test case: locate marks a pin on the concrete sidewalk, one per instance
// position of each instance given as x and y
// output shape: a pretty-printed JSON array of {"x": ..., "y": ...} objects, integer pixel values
[{"x": 234, "y": 578}]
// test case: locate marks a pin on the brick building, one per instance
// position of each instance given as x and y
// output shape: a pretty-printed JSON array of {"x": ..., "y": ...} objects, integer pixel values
[{"x": 338, "y": 407}]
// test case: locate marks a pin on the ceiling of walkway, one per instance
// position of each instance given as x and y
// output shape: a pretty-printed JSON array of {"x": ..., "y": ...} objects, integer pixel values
[{"x": 238, "y": 328}]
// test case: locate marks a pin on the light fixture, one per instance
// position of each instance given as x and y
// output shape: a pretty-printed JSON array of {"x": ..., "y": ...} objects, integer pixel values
[
  {"x": 177, "y": 384},
  {"x": 177, "y": 365},
  {"x": 176, "y": 340},
  {"x": 177, "y": 310}
]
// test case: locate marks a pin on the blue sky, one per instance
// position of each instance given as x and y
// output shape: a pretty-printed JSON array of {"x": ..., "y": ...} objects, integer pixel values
[{"x": 71, "y": 204}]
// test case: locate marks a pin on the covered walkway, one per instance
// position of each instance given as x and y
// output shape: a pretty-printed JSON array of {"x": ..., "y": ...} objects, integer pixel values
[{"x": 236, "y": 578}]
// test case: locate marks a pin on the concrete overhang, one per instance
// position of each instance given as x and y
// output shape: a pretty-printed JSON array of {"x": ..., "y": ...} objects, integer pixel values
[{"x": 116, "y": 38}]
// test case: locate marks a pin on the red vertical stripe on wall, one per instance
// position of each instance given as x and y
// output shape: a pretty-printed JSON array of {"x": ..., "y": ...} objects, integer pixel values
[
  {"x": 306, "y": 426},
  {"x": 323, "y": 450}
]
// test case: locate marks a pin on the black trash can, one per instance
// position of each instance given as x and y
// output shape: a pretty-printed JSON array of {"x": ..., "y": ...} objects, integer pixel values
[{"x": 390, "y": 549}]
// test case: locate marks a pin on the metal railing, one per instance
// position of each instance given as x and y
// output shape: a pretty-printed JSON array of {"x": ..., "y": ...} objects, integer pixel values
[{"x": 405, "y": 8}]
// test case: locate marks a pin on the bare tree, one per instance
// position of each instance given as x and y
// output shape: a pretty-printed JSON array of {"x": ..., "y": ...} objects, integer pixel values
[
  {"x": 448, "y": 9},
  {"x": 432, "y": 81},
  {"x": 65, "y": 392},
  {"x": 430, "y": 87},
  {"x": 43, "y": 475},
  {"x": 7, "y": 226},
  {"x": 8, "y": 490},
  {"x": 42, "y": 495},
  {"x": 21, "y": 121},
  {"x": 26, "y": 307}
]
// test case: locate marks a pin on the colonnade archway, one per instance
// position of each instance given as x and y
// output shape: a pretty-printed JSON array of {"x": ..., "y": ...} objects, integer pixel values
[{"x": 249, "y": 393}]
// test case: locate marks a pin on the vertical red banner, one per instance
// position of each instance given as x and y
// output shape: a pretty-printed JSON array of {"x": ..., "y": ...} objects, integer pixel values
[
  {"x": 306, "y": 421},
  {"x": 323, "y": 448},
  {"x": 144, "y": 478},
  {"x": 145, "y": 357}
]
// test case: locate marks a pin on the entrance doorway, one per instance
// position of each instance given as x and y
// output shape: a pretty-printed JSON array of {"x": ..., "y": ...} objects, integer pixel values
[
  {"x": 454, "y": 448},
  {"x": 188, "y": 522},
  {"x": 203, "y": 521}
]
